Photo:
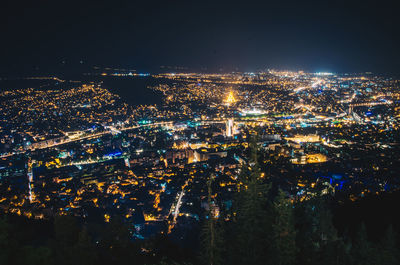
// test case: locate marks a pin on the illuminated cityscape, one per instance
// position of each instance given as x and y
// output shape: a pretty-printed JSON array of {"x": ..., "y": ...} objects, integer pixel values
[
  {"x": 332, "y": 119},
  {"x": 171, "y": 133},
  {"x": 101, "y": 158}
]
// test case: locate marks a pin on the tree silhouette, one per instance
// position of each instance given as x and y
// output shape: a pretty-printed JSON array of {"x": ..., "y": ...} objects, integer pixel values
[
  {"x": 284, "y": 235},
  {"x": 252, "y": 220},
  {"x": 212, "y": 236}
]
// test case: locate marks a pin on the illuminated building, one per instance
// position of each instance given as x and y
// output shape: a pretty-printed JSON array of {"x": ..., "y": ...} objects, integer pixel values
[
  {"x": 127, "y": 162},
  {"x": 311, "y": 138},
  {"x": 229, "y": 128}
]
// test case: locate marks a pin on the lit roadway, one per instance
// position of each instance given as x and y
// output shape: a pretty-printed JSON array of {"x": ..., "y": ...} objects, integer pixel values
[
  {"x": 178, "y": 205},
  {"x": 175, "y": 207}
]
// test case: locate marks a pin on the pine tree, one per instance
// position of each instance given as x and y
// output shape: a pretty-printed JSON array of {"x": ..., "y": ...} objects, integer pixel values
[
  {"x": 331, "y": 248},
  {"x": 388, "y": 249},
  {"x": 252, "y": 225},
  {"x": 306, "y": 224},
  {"x": 212, "y": 239},
  {"x": 4, "y": 241},
  {"x": 85, "y": 252},
  {"x": 334, "y": 253},
  {"x": 37, "y": 255},
  {"x": 10, "y": 246},
  {"x": 66, "y": 230},
  {"x": 316, "y": 236},
  {"x": 66, "y": 235},
  {"x": 284, "y": 234},
  {"x": 362, "y": 252},
  {"x": 115, "y": 245}
]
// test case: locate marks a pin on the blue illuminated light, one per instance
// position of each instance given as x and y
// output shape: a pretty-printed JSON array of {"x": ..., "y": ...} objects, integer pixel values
[{"x": 114, "y": 154}]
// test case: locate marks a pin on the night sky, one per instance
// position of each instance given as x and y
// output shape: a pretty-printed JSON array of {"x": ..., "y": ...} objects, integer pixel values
[{"x": 337, "y": 36}]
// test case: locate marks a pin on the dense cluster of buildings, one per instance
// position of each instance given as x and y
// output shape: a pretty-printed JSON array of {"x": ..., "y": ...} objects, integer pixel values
[{"x": 77, "y": 148}]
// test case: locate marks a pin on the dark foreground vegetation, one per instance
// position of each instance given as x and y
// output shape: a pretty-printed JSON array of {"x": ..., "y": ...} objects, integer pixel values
[{"x": 280, "y": 234}]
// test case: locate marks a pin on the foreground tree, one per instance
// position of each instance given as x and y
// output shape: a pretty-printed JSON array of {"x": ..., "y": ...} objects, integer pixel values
[
  {"x": 283, "y": 231},
  {"x": 316, "y": 237},
  {"x": 252, "y": 223},
  {"x": 362, "y": 251},
  {"x": 84, "y": 249},
  {"x": 37, "y": 256},
  {"x": 388, "y": 252},
  {"x": 5, "y": 246},
  {"x": 212, "y": 236},
  {"x": 66, "y": 232}
]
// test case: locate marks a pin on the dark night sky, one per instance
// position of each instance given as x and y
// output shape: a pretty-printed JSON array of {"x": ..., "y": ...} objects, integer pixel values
[{"x": 318, "y": 36}]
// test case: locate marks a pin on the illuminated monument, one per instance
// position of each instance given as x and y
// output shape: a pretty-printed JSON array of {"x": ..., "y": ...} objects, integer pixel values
[
  {"x": 230, "y": 99},
  {"x": 229, "y": 128},
  {"x": 229, "y": 131}
]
